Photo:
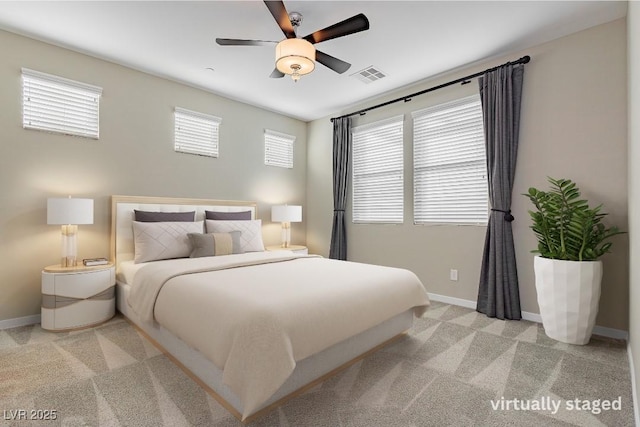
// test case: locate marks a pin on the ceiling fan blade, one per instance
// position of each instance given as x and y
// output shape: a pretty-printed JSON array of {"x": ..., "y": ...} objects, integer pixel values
[
  {"x": 337, "y": 65},
  {"x": 355, "y": 24},
  {"x": 281, "y": 16},
  {"x": 276, "y": 74},
  {"x": 238, "y": 42}
]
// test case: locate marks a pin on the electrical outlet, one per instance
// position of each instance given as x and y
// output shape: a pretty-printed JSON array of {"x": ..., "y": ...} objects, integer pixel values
[{"x": 453, "y": 275}]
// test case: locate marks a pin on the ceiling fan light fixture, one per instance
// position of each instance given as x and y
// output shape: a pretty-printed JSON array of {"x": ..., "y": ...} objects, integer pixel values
[{"x": 295, "y": 57}]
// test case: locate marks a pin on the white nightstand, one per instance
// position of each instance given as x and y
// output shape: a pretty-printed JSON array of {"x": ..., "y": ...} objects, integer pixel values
[
  {"x": 77, "y": 297},
  {"x": 294, "y": 248}
]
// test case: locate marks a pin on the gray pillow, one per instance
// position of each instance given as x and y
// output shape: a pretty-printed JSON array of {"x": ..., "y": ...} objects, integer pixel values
[
  {"x": 251, "y": 238},
  {"x": 215, "y": 244},
  {"x": 147, "y": 216},
  {"x": 224, "y": 216}
]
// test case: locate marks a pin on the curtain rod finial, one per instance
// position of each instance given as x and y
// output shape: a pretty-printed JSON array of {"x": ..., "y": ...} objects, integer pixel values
[{"x": 526, "y": 59}]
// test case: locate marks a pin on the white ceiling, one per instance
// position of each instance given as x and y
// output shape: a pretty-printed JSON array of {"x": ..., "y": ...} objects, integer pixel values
[{"x": 407, "y": 40}]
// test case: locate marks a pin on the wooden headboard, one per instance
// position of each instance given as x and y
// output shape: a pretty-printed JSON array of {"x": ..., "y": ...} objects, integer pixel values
[{"x": 122, "y": 216}]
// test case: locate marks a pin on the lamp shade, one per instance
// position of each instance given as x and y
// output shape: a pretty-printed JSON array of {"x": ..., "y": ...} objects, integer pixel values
[
  {"x": 286, "y": 213},
  {"x": 69, "y": 211},
  {"x": 295, "y": 55}
]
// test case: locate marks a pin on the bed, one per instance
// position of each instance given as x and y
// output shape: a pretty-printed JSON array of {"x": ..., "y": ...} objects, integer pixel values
[{"x": 255, "y": 328}]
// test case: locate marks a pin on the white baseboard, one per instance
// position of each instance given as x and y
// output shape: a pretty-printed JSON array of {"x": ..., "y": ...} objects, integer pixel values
[
  {"x": 19, "y": 321},
  {"x": 634, "y": 389},
  {"x": 532, "y": 317},
  {"x": 453, "y": 301},
  {"x": 611, "y": 332}
]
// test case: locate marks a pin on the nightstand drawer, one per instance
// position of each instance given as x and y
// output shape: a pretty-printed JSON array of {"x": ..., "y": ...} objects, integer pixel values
[
  {"x": 82, "y": 285},
  {"x": 78, "y": 315},
  {"x": 77, "y": 297}
]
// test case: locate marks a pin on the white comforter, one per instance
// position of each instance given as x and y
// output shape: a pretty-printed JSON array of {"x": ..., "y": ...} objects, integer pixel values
[{"x": 255, "y": 314}]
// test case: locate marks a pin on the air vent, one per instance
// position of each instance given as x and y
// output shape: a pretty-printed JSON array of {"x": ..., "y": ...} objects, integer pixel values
[{"x": 369, "y": 74}]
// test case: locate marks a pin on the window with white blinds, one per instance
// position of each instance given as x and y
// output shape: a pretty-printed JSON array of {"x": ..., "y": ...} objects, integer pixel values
[
  {"x": 278, "y": 149},
  {"x": 377, "y": 172},
  {"x": 55, "y": 104},
  {"x": 450, "y": 171},
  {"x": 196, "y": 133}
]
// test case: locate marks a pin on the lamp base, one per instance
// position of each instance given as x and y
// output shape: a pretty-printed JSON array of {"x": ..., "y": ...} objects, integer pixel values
[
  {"x": 286, "y": 234},
  {"x": 69, "y": 246},
  {"x": 68, "y": 262}
]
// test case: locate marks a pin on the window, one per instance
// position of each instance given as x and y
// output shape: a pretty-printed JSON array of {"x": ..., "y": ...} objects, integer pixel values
[
  {"x": 278, "y": 149},
  {"x": 56, "y": 104},
  {"x": 450, "y": 171},
  {"x": 196, "y": 133},
  {"x": 378, "y": 172}
]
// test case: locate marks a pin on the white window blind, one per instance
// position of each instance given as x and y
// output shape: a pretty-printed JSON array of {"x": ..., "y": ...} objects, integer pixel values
[
  {"x": 278, "y": 149},
  {"x": 378, "y": 175},
  {"x": 55, "y": 104},
  {"x": 196, "y": 133},
  {"x": 450, "y": 172}
]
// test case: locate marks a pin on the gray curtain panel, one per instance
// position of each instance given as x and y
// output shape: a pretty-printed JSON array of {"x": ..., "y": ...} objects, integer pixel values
[
  {"x": 501, "y": 93},
  {"x": 341, "y": 159}
]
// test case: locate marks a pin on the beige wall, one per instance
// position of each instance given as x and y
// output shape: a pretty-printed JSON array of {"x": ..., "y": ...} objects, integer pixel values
[
  {"x": 134, "y": 156},
  {"x": 633, "y": 40},
  {"x": 574, "y": 118}
]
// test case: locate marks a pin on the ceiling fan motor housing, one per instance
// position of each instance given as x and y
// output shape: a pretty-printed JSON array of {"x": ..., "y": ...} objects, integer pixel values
[{"x": 296, "y": 19}]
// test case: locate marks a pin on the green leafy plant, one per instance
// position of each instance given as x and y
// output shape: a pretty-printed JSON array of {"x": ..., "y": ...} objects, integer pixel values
[{"x": 566, "y": 227}]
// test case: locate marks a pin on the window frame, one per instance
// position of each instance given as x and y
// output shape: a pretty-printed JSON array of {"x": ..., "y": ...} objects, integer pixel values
[
  {"x": 192, "y": 139},
  {"x": 278, "y": 143},
  {"x": 59, "y": 105},
  {"x": 473, "y": 160},
  {"x": 392, "y": 179}
]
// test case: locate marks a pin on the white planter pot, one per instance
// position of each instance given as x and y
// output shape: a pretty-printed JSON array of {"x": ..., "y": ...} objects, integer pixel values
[{"x": 568, "y": 296}]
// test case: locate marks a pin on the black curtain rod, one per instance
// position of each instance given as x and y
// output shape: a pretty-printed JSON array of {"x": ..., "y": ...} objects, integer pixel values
[{"x": 407, "y": 98}]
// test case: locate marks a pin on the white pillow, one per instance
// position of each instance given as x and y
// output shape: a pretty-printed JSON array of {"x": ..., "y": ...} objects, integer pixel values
[
  {"x": 251, "y": 237},
  {"x": 163, "y": 240}
]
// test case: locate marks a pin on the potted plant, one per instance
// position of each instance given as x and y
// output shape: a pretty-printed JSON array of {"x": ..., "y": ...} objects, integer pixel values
[{"x": 571, "y": 238}]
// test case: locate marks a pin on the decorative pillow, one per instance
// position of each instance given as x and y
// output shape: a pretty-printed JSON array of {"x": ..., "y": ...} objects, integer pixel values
[
  {"x": 251, "y": 237},
  {"x": 146, "y": 216},
  {"x": 215, "y": 244},
  {"x": 227, "y": 216},
  {"x": 163, "y": 240}
]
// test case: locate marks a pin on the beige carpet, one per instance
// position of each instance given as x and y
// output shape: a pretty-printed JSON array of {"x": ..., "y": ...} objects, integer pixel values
[{"x": 451, "y": 370}]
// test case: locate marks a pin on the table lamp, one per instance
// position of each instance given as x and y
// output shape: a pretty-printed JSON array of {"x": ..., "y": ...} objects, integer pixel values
[
  {"x": 69, "y": 213},
  {"x": 286, "y": 214}
]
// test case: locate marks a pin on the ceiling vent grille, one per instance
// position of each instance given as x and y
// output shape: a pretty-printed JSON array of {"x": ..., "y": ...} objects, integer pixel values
[{"x": 369, "y": 74}]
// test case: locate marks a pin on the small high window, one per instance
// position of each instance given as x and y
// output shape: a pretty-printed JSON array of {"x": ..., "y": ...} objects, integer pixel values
[
  {"x": 55, "y": 104},
  {"x": 278, "y": 149},
  {"x": 196, "y": 133}
]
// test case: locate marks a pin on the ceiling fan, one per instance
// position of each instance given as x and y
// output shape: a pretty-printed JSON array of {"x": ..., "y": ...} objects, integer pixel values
[{"x": 297, "y": 56}]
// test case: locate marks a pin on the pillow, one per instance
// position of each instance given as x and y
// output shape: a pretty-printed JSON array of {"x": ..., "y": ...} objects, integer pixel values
[
  {"x": 215, "y": 244},
  {"x": 163, "y": 240},
  {"x": 146, "y": 216},
  {"x": 226, "y": 216},
  {"x": 251, "y": 237}
]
